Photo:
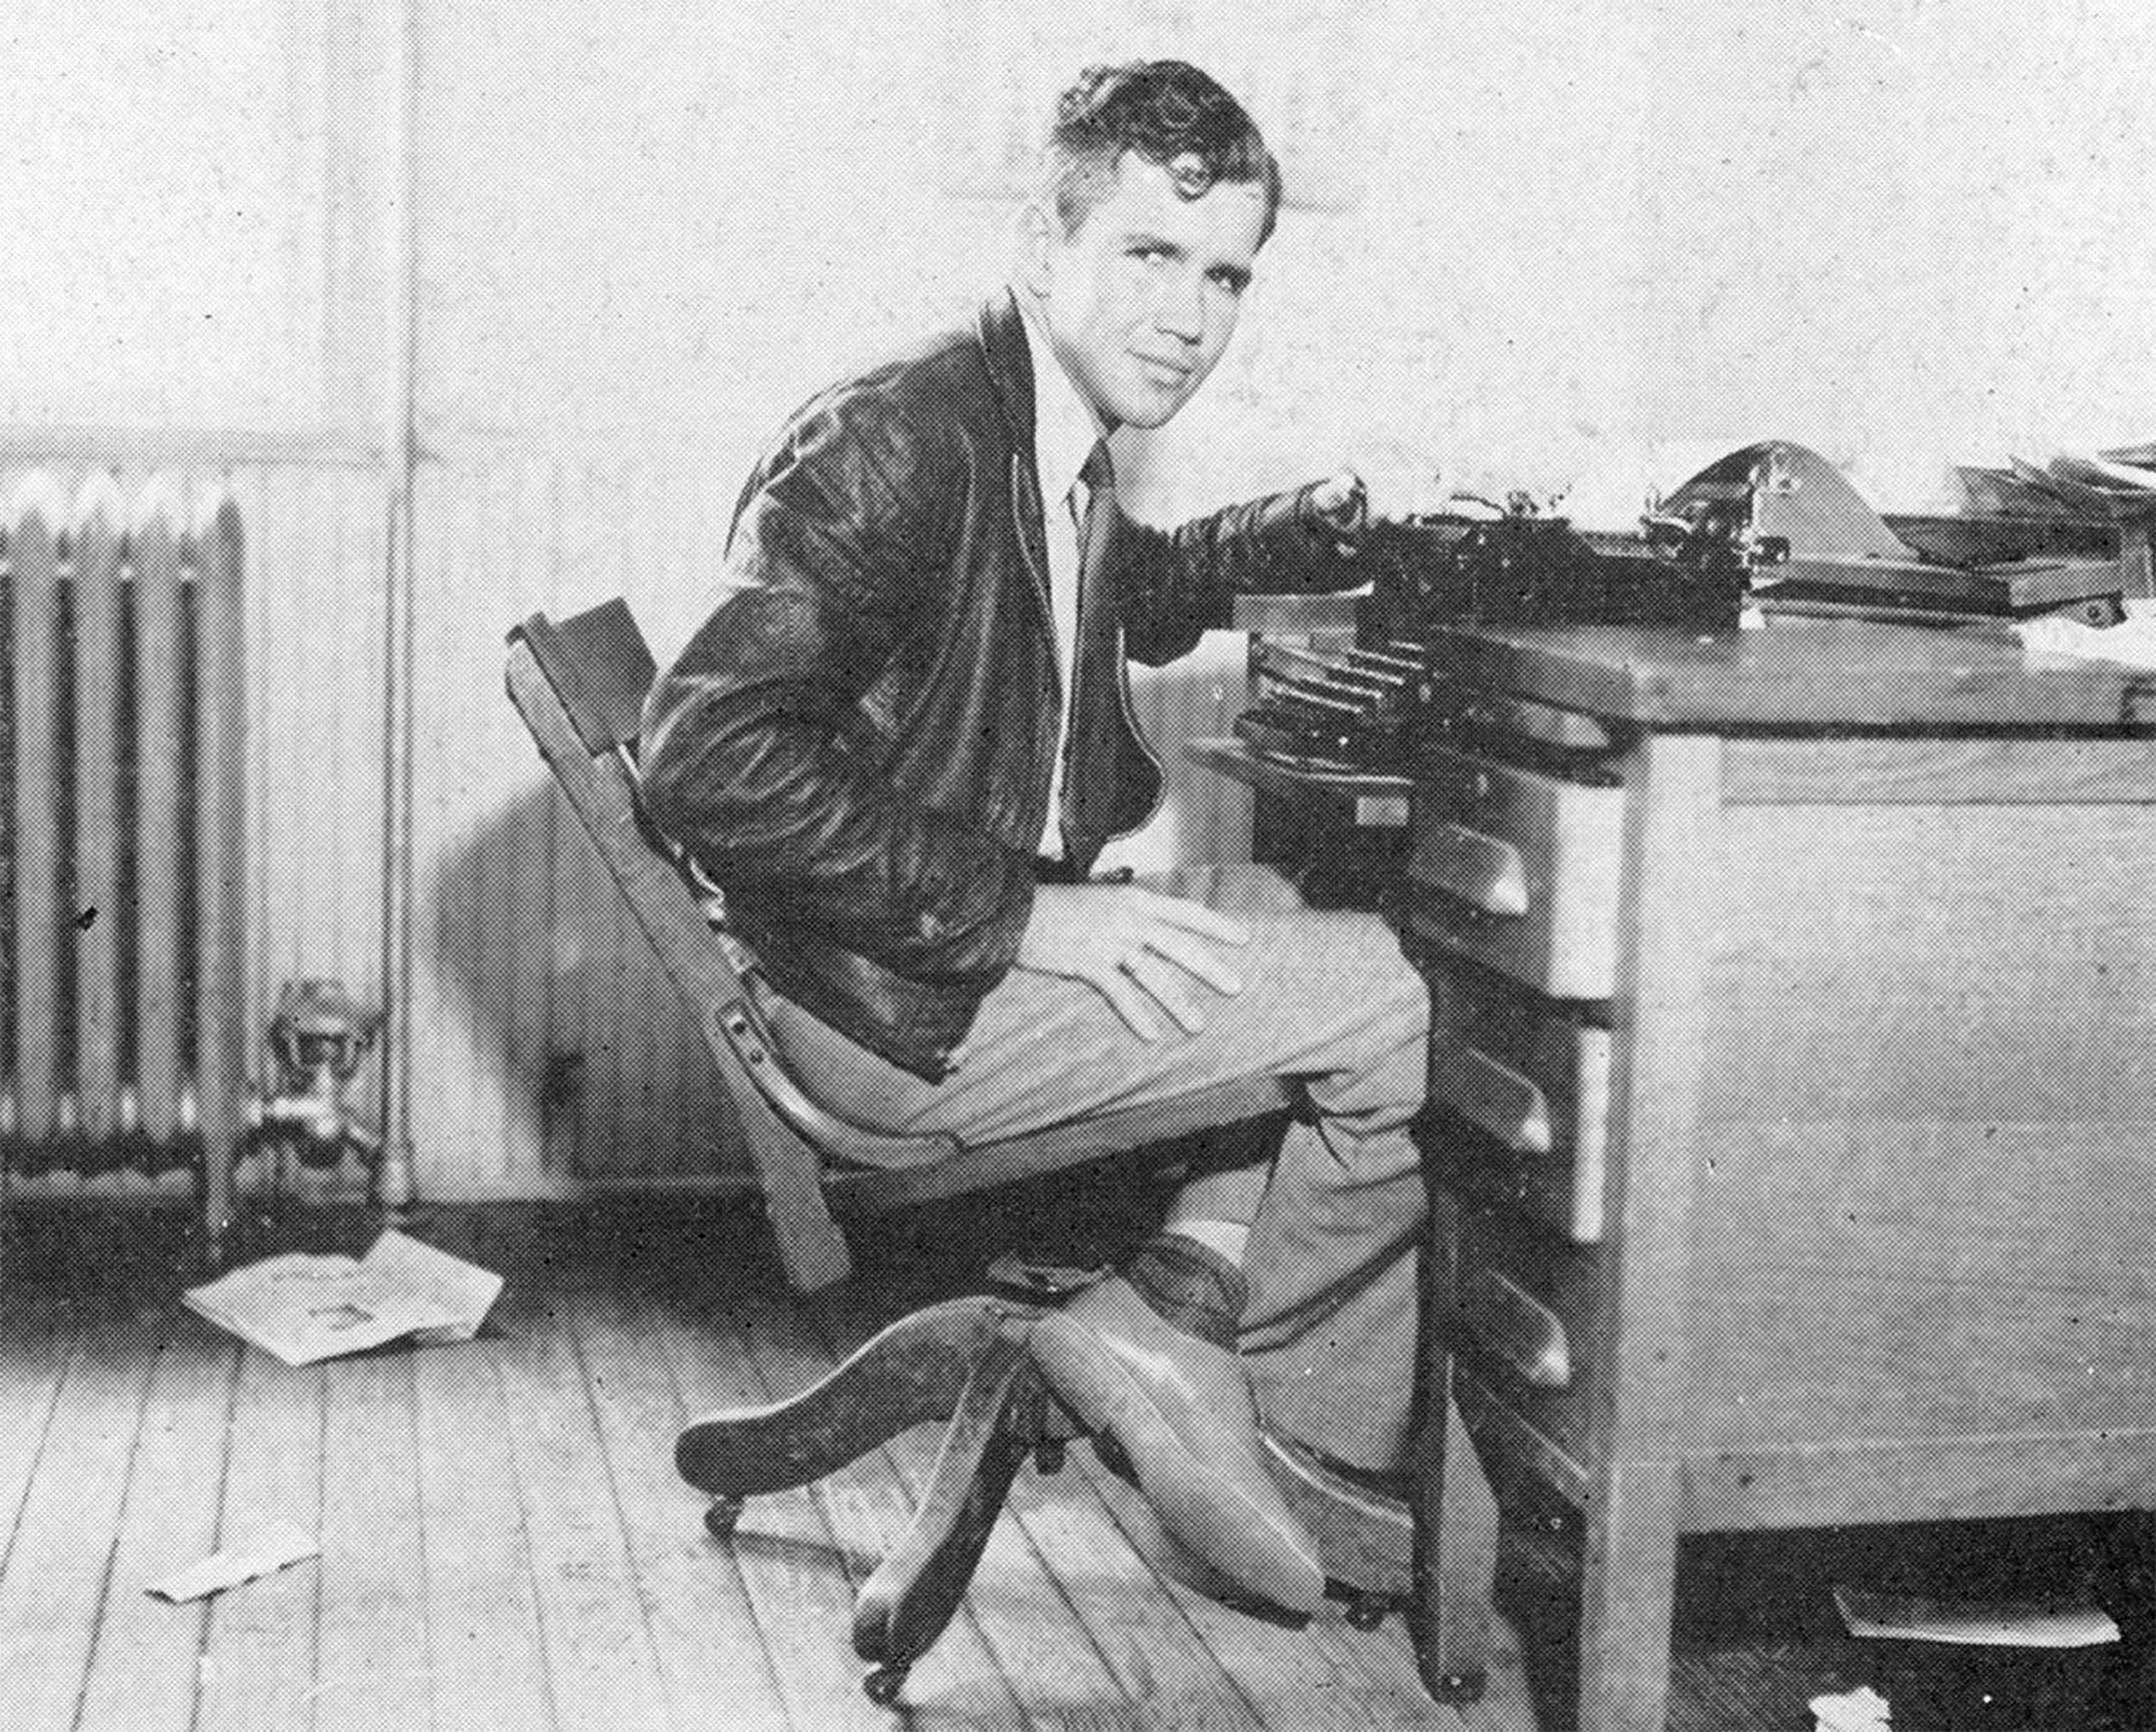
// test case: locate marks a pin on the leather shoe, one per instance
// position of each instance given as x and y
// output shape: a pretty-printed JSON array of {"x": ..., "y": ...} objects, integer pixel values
[
  {"x": 1181, "y": 1411},
  {"x": 1174, "y": 1561}
]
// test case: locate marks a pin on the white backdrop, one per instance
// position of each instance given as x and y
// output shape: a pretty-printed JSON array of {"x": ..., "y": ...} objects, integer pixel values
[{"x": 181, "y": 219}]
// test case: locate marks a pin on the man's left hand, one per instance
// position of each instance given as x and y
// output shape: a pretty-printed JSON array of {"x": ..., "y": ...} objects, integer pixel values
[
  {"x": 1393, "y": 490},
  {"x": 1400, "y": 483}
]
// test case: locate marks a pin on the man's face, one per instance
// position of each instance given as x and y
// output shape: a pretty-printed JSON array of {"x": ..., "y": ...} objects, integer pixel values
[{"x": 1141, "y": 301}]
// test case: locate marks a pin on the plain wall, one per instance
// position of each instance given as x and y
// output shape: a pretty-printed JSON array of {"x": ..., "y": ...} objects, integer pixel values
[{"x": 1553, "y": 234}]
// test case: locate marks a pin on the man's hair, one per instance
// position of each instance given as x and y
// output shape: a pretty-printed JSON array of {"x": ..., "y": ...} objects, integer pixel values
[{"x": 1172, "y": 114}]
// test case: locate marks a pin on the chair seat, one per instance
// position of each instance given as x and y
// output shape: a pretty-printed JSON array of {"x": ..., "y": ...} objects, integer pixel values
[
  {"x": 861, "y": 1160},
  {"x": 1127, "y": 1130}
]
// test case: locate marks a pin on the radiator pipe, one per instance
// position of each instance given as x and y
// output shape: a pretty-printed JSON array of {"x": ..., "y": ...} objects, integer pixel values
[
  {"x": 318, "y": 1038},
  {"x": 397, "y": 1187}
]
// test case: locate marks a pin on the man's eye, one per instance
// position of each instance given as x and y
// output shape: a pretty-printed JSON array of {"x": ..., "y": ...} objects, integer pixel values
[{"x": 1227, "y": 279}]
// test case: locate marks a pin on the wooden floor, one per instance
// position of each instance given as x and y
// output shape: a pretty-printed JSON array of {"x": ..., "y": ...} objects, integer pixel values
[{"x": 504, "y": 1545}]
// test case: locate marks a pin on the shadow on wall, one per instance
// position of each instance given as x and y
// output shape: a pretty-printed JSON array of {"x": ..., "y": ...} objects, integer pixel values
[{"x": 601, "y": 1073}]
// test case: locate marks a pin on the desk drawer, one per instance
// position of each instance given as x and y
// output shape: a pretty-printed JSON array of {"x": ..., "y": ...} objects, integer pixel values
[
  {"x": 1524, "y": 1310},
  {"x": 1534, "y": 1077},
  {"x": 1518, "y": 870}
]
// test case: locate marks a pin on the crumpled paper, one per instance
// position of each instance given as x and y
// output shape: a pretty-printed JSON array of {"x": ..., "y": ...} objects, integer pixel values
[
  {"x": 262, "y": 1553},
  {"x": 1862, "y": 1709}
]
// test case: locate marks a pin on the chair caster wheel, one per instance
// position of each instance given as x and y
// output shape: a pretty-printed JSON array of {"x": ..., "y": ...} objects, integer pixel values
[
  {"x": 883, "y": 1684},
  {"x": 1457, "y": 1687},
  {"x": 1367, "y": 1611},
  {"x": 719, "y": 1519},
  {"x": 1049, "y": 1457}
]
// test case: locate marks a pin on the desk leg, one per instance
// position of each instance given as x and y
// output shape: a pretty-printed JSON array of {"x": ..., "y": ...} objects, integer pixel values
[
  {"x": 1627, "y": 1593},
  {"x": 1456, "y": 1550},
  {"x": 2129, "y": 1562}
]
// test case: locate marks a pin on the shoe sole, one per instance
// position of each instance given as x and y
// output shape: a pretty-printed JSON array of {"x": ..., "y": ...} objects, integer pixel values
[{"x": 1214, "y": 1517}]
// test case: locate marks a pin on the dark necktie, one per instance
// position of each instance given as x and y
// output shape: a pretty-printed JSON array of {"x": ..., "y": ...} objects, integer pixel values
[{"x": 1089, "y": 762}]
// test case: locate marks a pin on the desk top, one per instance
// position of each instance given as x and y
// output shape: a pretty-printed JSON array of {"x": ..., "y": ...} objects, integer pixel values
[
  {"x": 1796, "y": 671},
  {"x": 1801, "y": 672}
]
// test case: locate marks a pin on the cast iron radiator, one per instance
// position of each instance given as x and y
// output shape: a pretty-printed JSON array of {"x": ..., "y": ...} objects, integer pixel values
[{"x": 122, "y": 803}]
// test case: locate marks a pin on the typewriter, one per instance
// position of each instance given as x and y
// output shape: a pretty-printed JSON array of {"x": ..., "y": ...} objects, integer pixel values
[{"x": 1772, "y": 527}]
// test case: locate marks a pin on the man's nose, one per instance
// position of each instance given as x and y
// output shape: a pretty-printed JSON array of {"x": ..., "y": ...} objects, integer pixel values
[{"x": 1180, "y": 310}]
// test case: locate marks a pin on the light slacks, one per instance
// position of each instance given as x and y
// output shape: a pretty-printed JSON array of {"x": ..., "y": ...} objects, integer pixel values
[{"x": 1330, "y": 1334}]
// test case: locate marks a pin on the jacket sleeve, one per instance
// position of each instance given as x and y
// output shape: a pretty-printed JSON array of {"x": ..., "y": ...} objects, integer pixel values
[
  {"x": 757, "y": 756},
  {"x": 1174, "y": 585}
]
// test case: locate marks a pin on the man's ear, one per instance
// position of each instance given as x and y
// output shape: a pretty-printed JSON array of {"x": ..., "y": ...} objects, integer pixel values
[{"x": 1036, "y": 249}]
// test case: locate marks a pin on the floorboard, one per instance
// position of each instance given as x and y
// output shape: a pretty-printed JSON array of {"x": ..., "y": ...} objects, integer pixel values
[
  {"x": 487, "y": 1670},
  {"x": 375, "y": 1665},
  {"x": 59, "y": 1570},
  {"x": 714, "y": 1667},
  {"x": 258, "y": 1665},
  {"x": 142, "y": 1668},
  {"x": 599, "y": 1654},
  {"x": 38, "y": 1347},
  {"x": 505, "y": 1547}
]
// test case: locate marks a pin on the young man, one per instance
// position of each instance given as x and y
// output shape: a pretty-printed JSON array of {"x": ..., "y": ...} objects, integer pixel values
[{"x": 901, "y": 740}]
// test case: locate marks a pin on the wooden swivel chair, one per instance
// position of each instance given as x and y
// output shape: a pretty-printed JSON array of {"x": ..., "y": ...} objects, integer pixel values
[{"x": 580, "y": 683}]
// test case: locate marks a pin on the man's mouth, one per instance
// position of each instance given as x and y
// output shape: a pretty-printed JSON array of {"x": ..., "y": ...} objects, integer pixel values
[{"x": 1173, "y": 374}]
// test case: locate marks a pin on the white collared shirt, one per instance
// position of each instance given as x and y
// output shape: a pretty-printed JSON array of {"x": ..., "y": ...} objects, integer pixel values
[{"x": 1064, "y": 435}]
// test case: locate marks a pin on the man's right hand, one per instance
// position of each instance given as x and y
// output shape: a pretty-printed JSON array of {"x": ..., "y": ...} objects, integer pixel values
[{"x": 1145, "y": 953}]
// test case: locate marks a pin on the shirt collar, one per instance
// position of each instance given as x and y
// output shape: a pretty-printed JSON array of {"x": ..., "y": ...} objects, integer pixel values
[{"x": 1064, "y": 429}]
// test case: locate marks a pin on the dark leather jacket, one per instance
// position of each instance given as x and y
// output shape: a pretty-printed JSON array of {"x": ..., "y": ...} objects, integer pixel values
[{"x": 856, "y": 747}]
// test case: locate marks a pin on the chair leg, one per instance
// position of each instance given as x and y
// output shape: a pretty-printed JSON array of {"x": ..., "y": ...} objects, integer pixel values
[
  {"x": 811, "y": 1249},
  {"x": 917, "y": 1369},
  {"x": 1456, "y": 1523},
  {"x": 914, "y": 1591}
]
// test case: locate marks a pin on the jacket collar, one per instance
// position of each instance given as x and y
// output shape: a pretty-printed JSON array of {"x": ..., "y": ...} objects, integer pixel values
[
  {"x": 1010, "y": 367},
  {"x": 1009, "y": 362},
  {"x": 1065, "y": 434}
]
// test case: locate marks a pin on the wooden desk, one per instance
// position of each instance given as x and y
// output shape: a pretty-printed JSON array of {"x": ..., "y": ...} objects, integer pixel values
[{"x": 1794, "y": 1139}]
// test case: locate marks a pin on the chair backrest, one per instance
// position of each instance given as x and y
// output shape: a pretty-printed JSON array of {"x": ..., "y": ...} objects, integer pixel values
[
  {"x": 600, "y": 668},
  {"x": 579, "y": 684}
]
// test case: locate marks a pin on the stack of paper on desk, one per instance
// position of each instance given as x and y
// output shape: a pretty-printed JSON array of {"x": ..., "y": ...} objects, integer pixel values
[
  {"x": 2121, "y": 477},
  {"x": 2115, "y": 487},
  {"x": 2098, "y": 486},
  {"x": 303, "y": 1308}
]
